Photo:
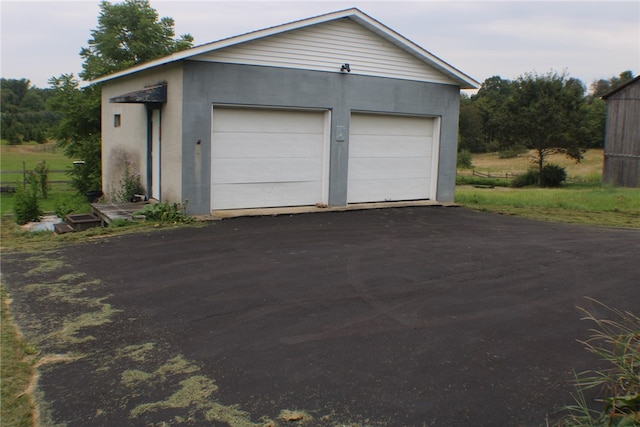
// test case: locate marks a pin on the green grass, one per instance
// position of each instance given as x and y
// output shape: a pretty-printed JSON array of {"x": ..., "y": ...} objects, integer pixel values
[
  {"x": 578, "y": 203},
  {"x": 615, "y": 340},
  {"x": 15, "y": 157},
  {"x": 17, "y": 363},
  {"x": 59, "y": 195},
  {"x": 478, "y": 180},
  {"x": 582, "y": 200}
]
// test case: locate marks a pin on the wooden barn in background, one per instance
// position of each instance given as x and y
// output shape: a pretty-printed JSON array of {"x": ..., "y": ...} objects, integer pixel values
[{"x": 622, "y": 137}]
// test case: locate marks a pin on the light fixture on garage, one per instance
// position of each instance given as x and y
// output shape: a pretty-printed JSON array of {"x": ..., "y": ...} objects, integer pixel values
[{"x": 345, "y": 67}]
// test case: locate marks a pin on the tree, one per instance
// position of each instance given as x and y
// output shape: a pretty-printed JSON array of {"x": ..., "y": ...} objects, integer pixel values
[
  {"x": 32, "y": 102},
  {"x": 602, "y": 86},
  {"x": 128, "y": 33},
  {"x": 471, "y": 126},
  {"x": 491, "y": 100},
  {"x": 595, "y": 122},
  {"x": 78, "y": 131},
  {"x": 24, "y": 113},
  {"x": 490, "y": 119},
  {"x": 596, "y": 109},
  {"x": 13, "y": 91},
  {"x": 546, "y": 114}
]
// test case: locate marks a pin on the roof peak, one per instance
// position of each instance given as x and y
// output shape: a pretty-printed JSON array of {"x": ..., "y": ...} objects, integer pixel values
[{"x": 354, "y": 13}]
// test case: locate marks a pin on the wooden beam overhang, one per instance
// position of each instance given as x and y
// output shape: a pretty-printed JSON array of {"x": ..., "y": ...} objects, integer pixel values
[{"x": 150, "y": 95}]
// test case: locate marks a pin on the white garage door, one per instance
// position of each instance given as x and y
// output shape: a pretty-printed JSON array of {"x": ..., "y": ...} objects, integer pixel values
[
  {"x": 391, "y": 158},
  {"x": 268, "y": 158}
]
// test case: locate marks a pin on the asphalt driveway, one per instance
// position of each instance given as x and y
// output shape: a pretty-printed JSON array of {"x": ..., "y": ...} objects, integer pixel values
[{"x": 394, "y": 317}]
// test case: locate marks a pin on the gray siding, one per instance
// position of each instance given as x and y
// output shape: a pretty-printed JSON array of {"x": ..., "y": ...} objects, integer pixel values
[
  {"x": 622, "y": 140},
  {"x": 206, "y": 84}
]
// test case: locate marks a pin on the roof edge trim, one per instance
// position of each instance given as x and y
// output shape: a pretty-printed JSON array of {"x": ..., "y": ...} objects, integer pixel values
[{"x": 619, "y": 88}]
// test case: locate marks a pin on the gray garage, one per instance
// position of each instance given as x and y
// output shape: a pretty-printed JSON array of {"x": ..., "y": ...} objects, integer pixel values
[{"x": 329, "y": 110}]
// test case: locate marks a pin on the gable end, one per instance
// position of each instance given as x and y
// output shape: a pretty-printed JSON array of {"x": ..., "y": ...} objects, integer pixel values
[{"x": 325, "y": 47}]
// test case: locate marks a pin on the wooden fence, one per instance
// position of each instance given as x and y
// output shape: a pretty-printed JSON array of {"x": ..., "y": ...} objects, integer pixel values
[
  {"x": 506, "y": 175},
  {"x": 8, "y": 186}
]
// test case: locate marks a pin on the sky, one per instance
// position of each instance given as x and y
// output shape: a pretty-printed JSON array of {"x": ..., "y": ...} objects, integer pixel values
[{"x": 588, "y": 40}]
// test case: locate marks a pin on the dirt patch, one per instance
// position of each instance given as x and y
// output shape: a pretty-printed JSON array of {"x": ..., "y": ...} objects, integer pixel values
[{"x": 291, "y": 416}]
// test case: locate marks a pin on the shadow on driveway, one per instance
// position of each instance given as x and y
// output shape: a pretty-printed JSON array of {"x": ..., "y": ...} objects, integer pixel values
[{"x": 394, "y": 317}]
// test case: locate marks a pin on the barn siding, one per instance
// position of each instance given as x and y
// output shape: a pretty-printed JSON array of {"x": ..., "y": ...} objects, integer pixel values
[
  {"x": 325, "y": 47},
  {"x": 622, "y": 140}
]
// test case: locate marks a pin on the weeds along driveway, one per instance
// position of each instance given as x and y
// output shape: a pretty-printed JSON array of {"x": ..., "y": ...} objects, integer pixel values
[{"x": 394, "y": 317}]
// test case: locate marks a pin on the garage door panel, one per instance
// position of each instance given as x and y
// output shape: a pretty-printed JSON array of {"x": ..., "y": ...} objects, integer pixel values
[
  {"x": 388, "y": 168},
  {"x": 262, "y": 195},
  {"x": 390, "y": 158},
  {"x": 389, "y": 189},
  {"x": 264, "y": 121},
  {"x": 267, "y": 158},
  {"x": 367, "y": 124},
  {"x": 242, "y": 145},
  {"x": 383, "y": 146},
  {"x": 227, "y": 171}
]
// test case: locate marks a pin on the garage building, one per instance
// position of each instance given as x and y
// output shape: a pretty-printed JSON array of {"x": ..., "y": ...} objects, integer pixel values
[{"x": 331, "y": 110}]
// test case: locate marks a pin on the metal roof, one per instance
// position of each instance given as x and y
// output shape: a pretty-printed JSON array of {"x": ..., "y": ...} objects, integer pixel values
[{"x": 149, "y": 95}]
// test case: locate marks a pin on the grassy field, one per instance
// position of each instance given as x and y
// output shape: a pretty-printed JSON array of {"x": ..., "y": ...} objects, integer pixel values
[
  {"x": 15, "y": 157},
  {"x": 17, "y": 363},
  {"x": 588, "y": 170},
  {"x": 582, "y": 200}
]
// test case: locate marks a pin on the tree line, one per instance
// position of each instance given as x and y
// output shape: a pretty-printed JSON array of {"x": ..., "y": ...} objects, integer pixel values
[
  {"x": 25, "y": 114},
  {"x": 548, "y": 113}
]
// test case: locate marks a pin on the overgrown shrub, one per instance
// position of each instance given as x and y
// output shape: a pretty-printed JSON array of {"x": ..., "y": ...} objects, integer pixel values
[
  {"x": 617, "y": 343},
  {"x": 69, "y": 204},
  {"x": 531, "y": 177},
  {"x": 166, "y": 212},
  {"x": 41, "y": 172},
  {"x": 26, "y": 206},
  {"x": 86, "y": 174},
  {"x": 552, "y": 176},
  {"x": 512, "y": 152},
  {"x": 130, "y": 185},
  {"x": 464, "y": 159},
  {"x": 479, "y": 180}
]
